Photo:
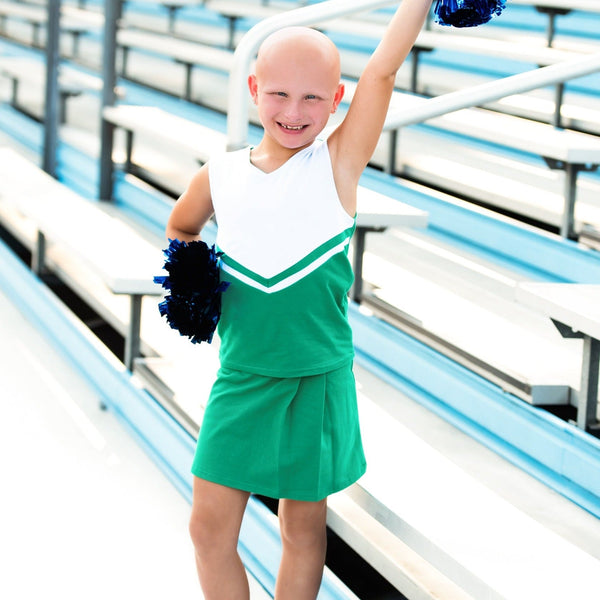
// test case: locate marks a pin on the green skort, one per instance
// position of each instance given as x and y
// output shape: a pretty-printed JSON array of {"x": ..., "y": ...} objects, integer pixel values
[{"x": 296, "y": 438}]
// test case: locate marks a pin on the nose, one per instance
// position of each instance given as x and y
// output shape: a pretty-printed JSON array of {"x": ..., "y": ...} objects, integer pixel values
[{"x": 293, "y": 111}]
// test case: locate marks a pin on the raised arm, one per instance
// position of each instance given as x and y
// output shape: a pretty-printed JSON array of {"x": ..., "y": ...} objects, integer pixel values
[{"x": 352, "y": 144}]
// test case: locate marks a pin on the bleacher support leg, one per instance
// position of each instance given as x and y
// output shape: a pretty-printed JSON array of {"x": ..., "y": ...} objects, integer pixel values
[
  {"x": 14, "y": 95},
  {"x": 129, "y": 152},
  {"x": 124, "y": 55},
  {"x": 132, "y": 341},
  {"x": 231, "y": 40},
  {"x": 62, "y": 106},
  {"x": 559, "y": 93},
  {"x": 588, "y": 395},
  {"x": 567, "y": 228},
  {"x": 358, "y": 250},
  {"x": 38, "y": 256},
  {"x": 172, "y": 10},
  {"x": 35, "y": 40},
  {"x": 75, "y": 48},
  {"x": 392, "y": 152},
  {"x": 106, "y": 164},
  {"x": 567, "y": 225},
  {"x": 52, "y": 93},
  {"x": 414, "y": 69},
  {"x": 112, "y": 13},
  {"x": 587, "y": 404},
  {"x": 551, "y": 12},
  {"x": 188, "y": 81}
]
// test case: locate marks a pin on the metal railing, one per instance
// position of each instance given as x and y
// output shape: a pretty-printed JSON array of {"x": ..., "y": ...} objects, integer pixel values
[
  {"x": 494, "y": 90},
  {"x": 556, "y": 74}
]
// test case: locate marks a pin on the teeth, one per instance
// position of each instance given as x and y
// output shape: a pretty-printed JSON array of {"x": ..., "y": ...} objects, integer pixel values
[{"x": 297, "y": 128}]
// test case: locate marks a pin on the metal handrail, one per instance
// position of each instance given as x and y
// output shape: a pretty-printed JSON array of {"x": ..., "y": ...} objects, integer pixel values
[
  {"x": 493, "y": 90},
  {"x": 237, "y": 110}
]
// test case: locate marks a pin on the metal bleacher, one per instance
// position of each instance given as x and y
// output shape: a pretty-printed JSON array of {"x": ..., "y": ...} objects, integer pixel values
[{"x": 479, "y": 484}]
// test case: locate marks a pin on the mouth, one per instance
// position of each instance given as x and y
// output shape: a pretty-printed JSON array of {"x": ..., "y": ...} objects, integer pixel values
[{"x": 292, "y": 127}]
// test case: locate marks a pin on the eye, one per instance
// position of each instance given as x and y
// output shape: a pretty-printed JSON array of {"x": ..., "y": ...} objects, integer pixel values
[
  {"x": 310, "y": 97},
  {"x": 281, "y": 94}
]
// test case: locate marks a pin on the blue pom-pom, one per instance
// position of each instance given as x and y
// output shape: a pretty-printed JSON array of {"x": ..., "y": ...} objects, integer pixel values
[
  {"x": 193, "y": 306},
  {"x": 467, "y": 13}
]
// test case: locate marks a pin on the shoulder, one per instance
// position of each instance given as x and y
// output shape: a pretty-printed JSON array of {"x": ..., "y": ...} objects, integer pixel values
[
  {"x": 230, "y": 157},
  {"x": 222, "y": 164}
]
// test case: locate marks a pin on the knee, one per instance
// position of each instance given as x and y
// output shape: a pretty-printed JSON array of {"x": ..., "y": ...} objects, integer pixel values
[
  {"x": 208, "y": 533},
  {"x": 216, "y": 517},
  {"x": 200, "y": 531},
  {"x": 303, "y": 527}
]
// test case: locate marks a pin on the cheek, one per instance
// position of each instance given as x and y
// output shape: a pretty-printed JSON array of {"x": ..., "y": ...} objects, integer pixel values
[
  {"x": 269, "y": 106},
  {"x": 322, "y": 113}
]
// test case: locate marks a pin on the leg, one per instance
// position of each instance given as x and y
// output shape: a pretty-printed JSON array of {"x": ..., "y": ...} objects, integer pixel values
[
  {"x": 304, "y": 540},
  {"x": 215, "y": 523}
]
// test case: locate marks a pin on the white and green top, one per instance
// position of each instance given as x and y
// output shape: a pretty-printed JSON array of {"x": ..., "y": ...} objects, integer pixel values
[{"x": 285, "y": 238}]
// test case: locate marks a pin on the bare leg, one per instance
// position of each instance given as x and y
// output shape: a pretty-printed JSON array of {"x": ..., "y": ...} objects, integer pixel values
[
  {"x": 215, "y": 522},
  {"x": 304, "y": 540}
]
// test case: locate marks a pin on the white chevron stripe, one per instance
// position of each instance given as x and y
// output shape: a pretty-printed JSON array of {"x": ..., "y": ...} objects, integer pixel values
[{"x": 288, "y": 281}]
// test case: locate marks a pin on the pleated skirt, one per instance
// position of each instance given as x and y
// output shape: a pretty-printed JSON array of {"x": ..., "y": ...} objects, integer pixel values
[{"x": 296, "y": 438}]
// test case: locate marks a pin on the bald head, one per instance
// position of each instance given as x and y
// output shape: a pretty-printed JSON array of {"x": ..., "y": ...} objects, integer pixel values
[
  {"x": 296, "y": 85},
  {"x": 297, "y": 46}
]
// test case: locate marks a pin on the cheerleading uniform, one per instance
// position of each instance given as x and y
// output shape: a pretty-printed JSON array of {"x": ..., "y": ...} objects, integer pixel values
[{"x": 281, "y": 420}]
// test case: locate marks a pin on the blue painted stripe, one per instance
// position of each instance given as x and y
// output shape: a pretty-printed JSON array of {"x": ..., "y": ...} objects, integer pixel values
[
  {"x": 148, "y": 206},
  {"x": 508, "y": 243},
  {"x": 77, "y": 170},
  {"x": 21, "y": 128}
]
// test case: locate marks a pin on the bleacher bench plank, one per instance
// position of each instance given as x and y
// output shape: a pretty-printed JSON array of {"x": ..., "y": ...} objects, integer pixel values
[
  {"x": 189, "y": 54},
  {"x": 74, "y": 21},
  {"x": 124, "y": 260},
  {"x": 31, "y": 72}
]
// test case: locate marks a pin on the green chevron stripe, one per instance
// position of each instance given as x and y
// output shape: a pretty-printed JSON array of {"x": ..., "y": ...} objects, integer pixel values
[{"x": 301, "y": 264}]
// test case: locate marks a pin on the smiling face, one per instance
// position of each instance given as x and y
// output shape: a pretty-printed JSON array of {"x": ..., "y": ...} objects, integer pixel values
[{"x": 296, "y": 86}]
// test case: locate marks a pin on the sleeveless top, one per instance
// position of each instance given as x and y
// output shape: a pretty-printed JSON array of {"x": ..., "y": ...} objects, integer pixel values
[{"x": 284, "y": 237}]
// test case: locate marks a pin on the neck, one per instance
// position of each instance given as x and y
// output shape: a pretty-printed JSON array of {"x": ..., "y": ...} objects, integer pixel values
[{"x": 269, "y": 156}]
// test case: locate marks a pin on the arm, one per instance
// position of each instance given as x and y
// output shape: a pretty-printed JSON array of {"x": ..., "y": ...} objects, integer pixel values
[
  {"x": 352, "y": 144},
  {"x": 192, "y": 210}
]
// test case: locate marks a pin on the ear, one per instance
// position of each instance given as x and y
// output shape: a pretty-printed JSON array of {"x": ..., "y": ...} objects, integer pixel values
[
  {"x": 339, "y": 94},
  {"x": 253, "y": 87}
]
